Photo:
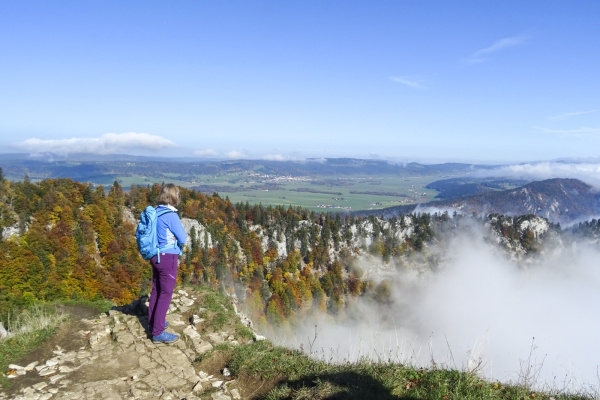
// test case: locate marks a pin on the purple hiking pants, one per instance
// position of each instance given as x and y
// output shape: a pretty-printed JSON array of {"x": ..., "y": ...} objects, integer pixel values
[{"x": 164, "y": 277}]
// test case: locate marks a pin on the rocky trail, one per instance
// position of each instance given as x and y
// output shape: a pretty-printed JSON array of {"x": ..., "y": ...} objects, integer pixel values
[{"x": 111, "y": 356}]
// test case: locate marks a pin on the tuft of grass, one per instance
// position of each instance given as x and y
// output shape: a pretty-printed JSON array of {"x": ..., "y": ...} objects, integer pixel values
[
  {"x": 101, "y": 305},
  {"x": 243, "y": 331},
  {"x": 29, "y": 330},
  {"x": 219, "y": 320},
  {"x": 225, "y": 348},
  {"x": 38, "y": 317},
  {"x": 219, "y": 309},
  {"x": 265, "y": 360},
  {"x": 215, "y": 301}
]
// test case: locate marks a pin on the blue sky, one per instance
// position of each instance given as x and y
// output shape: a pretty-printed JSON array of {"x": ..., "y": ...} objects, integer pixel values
[{"x": 404, "y": 80}]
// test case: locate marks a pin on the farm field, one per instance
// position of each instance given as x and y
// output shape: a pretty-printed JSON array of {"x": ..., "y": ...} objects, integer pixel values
[
  {"x": 330, "y": 184},
  {"x": 317, "y": 193},
  {"x": 348, "y": 194}
]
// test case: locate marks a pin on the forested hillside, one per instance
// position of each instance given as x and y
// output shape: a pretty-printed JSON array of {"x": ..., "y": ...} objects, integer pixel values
[{"x": 62, "y": 239}]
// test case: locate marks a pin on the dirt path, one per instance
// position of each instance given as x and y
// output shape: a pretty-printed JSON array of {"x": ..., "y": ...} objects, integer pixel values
[
  {"x": 110, "y": 356},
  {"x": 63, "y": 338}
]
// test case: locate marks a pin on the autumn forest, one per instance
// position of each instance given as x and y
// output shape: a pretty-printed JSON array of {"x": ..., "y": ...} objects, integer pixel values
[{"x": 67, "y": 240}]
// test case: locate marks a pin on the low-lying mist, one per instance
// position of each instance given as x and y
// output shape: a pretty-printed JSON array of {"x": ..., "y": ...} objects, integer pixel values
[
  {"x": 537, "y": 324},
  {"x": 588, "y": 172}
]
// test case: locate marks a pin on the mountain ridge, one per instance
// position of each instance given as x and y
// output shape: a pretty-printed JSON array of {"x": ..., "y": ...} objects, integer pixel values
[
  {"x": 83, "y": 167},
  {"x": 562, "y": 200}
]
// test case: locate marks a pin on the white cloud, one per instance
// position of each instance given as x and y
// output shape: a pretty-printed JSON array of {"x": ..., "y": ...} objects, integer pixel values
[
  {"x": 234, "y": 154},
  {"x": 408, "y": 81},
  {"x": 205, "y": 153},
  {"x": 275, "y": 157},
  {"x": 586, "y": 172},
  {"x": 109, "y": 143},
  {"x": 585, "y": 131},
  {"x": 479, "y": 55},
  {"x": 280, "y": 157},
  {"x": 560, "y": 117}
]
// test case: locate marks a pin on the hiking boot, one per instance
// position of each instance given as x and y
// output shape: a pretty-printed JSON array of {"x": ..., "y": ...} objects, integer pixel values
[{"x": 165, "y": 337}]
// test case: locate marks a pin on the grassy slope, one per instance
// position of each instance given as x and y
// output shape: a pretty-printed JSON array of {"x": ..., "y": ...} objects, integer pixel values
[
  {"x": 293, "y": 375},
  {"x": 267, "y": 371}
]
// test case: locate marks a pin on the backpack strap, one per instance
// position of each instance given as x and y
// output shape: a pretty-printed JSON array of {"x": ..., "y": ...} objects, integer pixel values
[{"x": 163, "y": 212}]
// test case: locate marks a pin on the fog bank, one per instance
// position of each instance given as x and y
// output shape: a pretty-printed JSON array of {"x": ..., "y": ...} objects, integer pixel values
[
  {"x": 479, "y": 311},
  {"x": 585, "y": 172}
]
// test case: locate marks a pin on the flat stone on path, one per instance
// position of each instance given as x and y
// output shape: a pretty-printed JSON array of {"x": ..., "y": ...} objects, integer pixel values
[
  {"x": 220, "y": 396},
  {"x": 40, "y": 386}
]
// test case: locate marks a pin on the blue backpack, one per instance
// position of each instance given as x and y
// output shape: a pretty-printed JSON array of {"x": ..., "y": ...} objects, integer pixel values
[{"x": 145, "y": 234}]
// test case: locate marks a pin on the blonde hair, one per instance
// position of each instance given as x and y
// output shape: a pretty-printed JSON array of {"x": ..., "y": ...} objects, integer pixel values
[{"x": 169, "y": 194}]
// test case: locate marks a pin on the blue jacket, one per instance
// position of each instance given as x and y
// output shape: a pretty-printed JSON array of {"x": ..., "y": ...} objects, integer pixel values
[{"x": 169, "y": 229}]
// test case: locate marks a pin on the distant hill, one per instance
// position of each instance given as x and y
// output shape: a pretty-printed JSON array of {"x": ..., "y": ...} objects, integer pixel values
[
  {"x": 90, "y": 167},
  {"x": 558, "y": 200},
  {"x": 467, "y": 186}
]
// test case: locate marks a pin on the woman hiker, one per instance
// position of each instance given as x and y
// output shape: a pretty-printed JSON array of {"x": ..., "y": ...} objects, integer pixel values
[{"x": 171, "y": 238}]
